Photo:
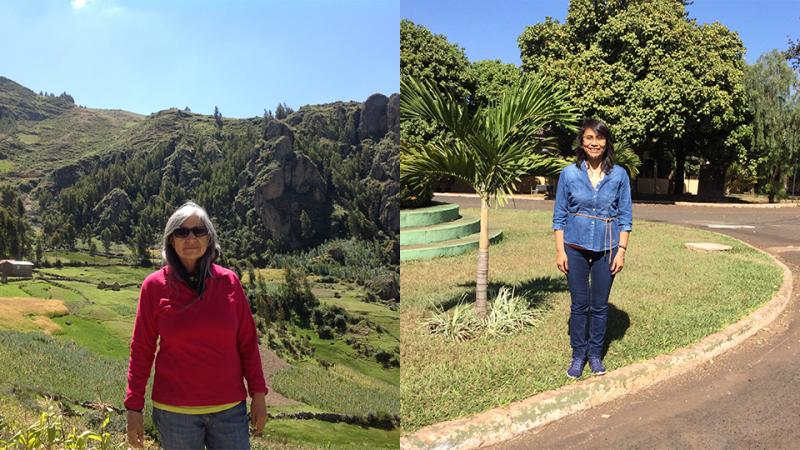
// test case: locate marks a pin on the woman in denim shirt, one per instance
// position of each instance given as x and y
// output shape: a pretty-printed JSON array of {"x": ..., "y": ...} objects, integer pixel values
[{"x": 592, "y": 220}]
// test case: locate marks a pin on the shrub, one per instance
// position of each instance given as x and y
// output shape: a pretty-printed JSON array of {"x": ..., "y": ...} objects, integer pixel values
[
  {"x": 50, "y": 432},
  {"x": 508, "y": 314},
  {"x": 460, "y": 324},
  {"x": 325, "y": 332}
]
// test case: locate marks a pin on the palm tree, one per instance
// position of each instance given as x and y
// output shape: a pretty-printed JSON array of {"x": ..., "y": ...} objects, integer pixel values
[{"x": 490, "y": 149}]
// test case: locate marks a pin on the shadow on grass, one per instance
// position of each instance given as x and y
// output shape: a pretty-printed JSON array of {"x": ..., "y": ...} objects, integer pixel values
[
  {"x": 536, "y": 290},
  {"x": 616, "y": 327}
]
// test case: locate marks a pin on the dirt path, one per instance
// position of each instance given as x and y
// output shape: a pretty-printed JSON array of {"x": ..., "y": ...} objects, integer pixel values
[
  {"x": 271, "y": 364},
  {"x": 747, "y": 398}
]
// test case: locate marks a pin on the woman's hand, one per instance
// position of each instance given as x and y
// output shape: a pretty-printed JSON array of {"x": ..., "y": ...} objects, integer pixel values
[
  {"x": 135, "y": 429},
  {"x": 618, "y": 263},
  {"x": 258, "y": 412},
  {"x": 561, "y": 262}
]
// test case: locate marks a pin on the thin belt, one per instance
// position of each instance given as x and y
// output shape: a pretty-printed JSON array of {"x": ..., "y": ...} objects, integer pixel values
[{"x": 608, "y": 231}]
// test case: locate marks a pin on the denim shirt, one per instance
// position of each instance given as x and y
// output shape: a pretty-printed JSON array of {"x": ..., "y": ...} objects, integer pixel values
[{"x": 611, "y": 199}]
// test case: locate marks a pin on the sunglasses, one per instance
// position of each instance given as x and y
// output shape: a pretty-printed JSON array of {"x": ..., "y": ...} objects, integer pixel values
[{"x": 183, "y": 233}]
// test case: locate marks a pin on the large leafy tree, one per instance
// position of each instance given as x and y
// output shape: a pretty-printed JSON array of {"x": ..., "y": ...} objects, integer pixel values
[
  {"x": 667, "y": 86},
  {"x": 492, "y": 147},
  {"x": 432, "y": 58},
  {"x": 491, "y": 78},
  {"x": 772, "y": 92}
]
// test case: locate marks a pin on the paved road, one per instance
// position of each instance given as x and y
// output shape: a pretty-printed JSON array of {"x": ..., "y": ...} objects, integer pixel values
[{"x": 748, "y": 398}]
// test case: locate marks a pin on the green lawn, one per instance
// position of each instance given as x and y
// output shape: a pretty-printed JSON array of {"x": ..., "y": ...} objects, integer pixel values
[{"x": 666, "y": 298}]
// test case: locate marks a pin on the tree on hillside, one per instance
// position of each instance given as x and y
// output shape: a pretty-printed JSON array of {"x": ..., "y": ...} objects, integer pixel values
[
  {"x": 282, "y": 111},
  {"x": 105, "y": 238},
  {"x": 306, "y": 227},
  {"x": 217, "y": 118},
  {"x": 772, "y": 92},
  {"x": 38, "y": 253},
  {"x": 15, "y": 231},
  {"x": 492, "y": 149},
  {"x": 139, "y": 244},
  {"x": 669, "y": 88}
]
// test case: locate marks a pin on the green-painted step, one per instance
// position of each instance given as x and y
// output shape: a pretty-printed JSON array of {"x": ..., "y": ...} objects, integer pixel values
[
  {"x": 440, "y": 232},
  {"x": 431, "y": 215},
  {"x": 446, "y": 248}
]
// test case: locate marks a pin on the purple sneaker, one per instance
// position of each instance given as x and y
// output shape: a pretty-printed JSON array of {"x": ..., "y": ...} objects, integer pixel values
[
  {"x": 576, "y": 368},
  {"x": 596, "y": 366}
]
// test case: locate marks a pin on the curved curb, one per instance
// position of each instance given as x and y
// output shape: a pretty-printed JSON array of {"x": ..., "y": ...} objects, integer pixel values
[
  {"x": 501, "y": 424},
  {"x": 739, "y": 205},
  {"x": 642, "y": 202}
]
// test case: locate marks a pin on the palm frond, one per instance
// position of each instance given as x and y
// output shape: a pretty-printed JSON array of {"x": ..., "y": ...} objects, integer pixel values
[
  {"x": 493, "y": 148},
  {"x": 627, "y": 158},
  {"x": 422, "y": 100},
  {"x": 422, "y": 163}
]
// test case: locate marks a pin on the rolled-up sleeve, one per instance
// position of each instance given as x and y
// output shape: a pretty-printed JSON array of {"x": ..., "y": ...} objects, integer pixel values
[
  {"x": 247, "y": 343},
  {"x": 560, "y": 208},
  {"x": 625, "y": 203}
]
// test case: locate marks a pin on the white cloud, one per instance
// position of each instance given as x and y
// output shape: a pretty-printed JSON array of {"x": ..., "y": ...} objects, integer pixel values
[{"x": 79, "y": 4}]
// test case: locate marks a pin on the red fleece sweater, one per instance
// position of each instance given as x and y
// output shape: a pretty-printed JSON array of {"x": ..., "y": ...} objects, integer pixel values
[{"x": 206, "y": 347}]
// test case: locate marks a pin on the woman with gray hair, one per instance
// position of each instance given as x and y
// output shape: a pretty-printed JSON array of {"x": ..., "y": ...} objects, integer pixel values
[{"x": 195, "y": 313}]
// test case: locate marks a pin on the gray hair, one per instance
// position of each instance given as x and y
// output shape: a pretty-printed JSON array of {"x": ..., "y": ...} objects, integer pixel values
[{"x": 170, "y": 256}]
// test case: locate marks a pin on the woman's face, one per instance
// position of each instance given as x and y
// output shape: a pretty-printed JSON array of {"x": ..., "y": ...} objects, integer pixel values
[
  {"x": 191, "y": 247},
  {"x": 594, "y": 144}
]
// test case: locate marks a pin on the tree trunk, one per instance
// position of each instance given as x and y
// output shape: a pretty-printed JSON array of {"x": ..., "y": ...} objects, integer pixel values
[
  {"x": 680, "y": 170},
  {"x": 712, "y": 183},
  {"x": 483, "y": 262}
]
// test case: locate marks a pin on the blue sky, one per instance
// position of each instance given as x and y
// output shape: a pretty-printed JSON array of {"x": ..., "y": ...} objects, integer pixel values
[
  {"x": 489, "y": 30},
  {"x": 241, "y": 55}
]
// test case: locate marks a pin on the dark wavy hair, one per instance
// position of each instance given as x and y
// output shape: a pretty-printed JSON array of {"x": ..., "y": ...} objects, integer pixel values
[{"x": 601, "y": 129}]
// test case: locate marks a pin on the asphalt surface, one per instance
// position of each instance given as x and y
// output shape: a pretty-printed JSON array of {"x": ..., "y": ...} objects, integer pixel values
[{"x": 748, "y": 397}]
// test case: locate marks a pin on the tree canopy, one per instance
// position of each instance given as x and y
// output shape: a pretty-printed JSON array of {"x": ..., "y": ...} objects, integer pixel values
[
  {"x": 774, "y": 102},
  {"x": 665, "y": 84}
]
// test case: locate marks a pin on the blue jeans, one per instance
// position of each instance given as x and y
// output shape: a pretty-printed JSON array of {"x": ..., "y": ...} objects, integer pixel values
[
  {"x": 223, "y": 430},
  {"x": 589, "y": 310}
]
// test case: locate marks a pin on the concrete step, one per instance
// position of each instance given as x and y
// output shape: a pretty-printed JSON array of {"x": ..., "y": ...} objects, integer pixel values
[
  {"x": 446, "y": 231},
  {"x": 430, "y": 215},
  {"x": 446, "y": 248}
]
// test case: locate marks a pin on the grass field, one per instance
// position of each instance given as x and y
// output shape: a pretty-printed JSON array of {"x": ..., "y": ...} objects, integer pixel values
[
  {"x": 330, "y": 436},
  {"x": 6, "y": 165},
  {"x": 79, "y": 257},
  {"x": 30, "y": 314},
  {"x": 337, "y": 392},
  {"x": 667, "y": 297}
]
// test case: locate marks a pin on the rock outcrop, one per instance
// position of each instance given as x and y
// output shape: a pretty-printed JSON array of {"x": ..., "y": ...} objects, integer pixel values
[{"x": 290, "y": 194}]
